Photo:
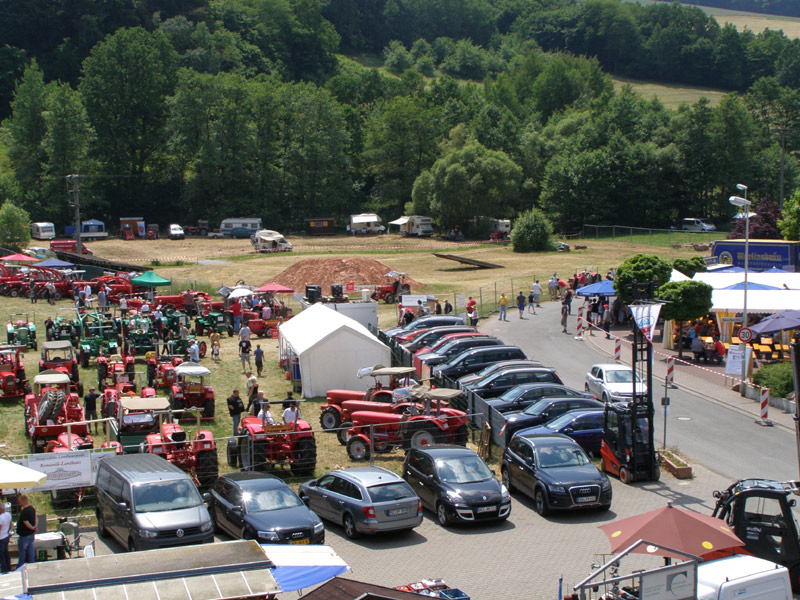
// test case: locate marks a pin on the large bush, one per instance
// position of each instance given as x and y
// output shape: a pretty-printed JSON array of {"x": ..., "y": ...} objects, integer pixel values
[
  {"x": 689, "y": 266},
  {"x": 533, "y": 232},
  {"x": 15, "y": 227},
  {"x": 776, "y": 377}
]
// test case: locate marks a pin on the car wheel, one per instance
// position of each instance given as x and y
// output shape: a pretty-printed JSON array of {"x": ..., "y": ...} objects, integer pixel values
[
  {"x": 586, "y": 387},
  {"x": 132, "y": 545},
  {"x": 441, "y": 514},
  {"x": 350, "y": 530},
  {"x": 504, "y": 474},
  {"x": 625, "y": 475},
  {"x": 540, "y": 503},
  {"x": 330, "y": 418},
  {"x": 101, "y": 526}
]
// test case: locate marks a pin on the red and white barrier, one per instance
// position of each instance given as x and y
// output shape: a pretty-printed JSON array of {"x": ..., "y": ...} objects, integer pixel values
[
  {"x": 580, "y": 326},
  {"x": 765, "y": 408},
  {"x": 617, "y": 350},
  {"x": 671, "y": 371}
]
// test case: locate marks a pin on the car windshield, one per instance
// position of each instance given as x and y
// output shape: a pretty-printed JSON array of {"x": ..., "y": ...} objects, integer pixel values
[
  {"x": 467, "y": 469},
  {"x": 620, "y": 376},
  {"x": 560, "y": 422},
  {"x": 537, "y": 408},
  {"x": 388, "y": 492},
  {"x": 511, "y": 394},
  {"x": 265, "y": 500},
  {"x": 557, "y": 456},
  {"x": 165, "y": 495}
]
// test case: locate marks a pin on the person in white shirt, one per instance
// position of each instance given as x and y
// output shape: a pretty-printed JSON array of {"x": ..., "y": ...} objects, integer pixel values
[
  {"x": 5, "y": 536},
  {"x": 244, "y": 333},
  {"x": 291, "y": 413}
]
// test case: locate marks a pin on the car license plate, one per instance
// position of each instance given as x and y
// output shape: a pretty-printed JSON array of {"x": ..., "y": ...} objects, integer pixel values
[
  {"x": 397, "y": 511},
  {"x": 298, "y": 541},
  {"x": 485, "y": 509},
  {"x": 586, "y": 499}
]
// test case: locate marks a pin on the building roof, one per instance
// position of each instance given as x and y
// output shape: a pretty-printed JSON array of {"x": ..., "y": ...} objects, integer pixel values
[{"x": 350, "y": 589}]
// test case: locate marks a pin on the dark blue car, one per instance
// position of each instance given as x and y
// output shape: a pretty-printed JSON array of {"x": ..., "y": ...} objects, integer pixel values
[
  {"x": 522, "y": 396},
  {"x": 585, "y": 426},
  {"x": 543, "y": 412}
]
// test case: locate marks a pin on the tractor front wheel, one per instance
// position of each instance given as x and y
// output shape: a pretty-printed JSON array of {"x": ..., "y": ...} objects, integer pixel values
[
  {"x": 198, "y": 328},
  {"x": 84, "y": 359},
  {"x": 358, "y": 448},
  {"x": 330, "y": 418},
  {"x": 151, "y": 375},
  {"x": 388, "y": 297},
  {"x": 344, "y": 433},
  {"x": 305, "y": 457}
]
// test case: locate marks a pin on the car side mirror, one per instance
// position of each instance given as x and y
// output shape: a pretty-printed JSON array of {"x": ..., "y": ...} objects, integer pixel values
[
  {"x": 206, "y": 497},
  {"x": 122, "y": 505},
  {"x": 545, "y": 415},
  {"x": 569, "y": 430},
  {"x": 530, "y": 462},
  {"x": 431, "y": 476},
  {"x": 792, "y": 503}
]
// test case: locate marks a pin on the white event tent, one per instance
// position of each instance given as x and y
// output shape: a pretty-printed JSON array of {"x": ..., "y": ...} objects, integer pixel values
[{"x": 329, "y": 348}]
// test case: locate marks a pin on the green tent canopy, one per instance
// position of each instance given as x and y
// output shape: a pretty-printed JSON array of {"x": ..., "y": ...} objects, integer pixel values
[{"x": 150, "y": 279}]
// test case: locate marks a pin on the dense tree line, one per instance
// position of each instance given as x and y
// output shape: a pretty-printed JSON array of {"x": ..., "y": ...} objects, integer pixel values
[{"x": 242, "y": 107}]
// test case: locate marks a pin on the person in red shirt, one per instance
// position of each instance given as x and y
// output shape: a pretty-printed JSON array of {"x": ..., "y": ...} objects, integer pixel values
[
  {"x": 471, "y": 303},
  {"x": 720, "y": 348},
  {"x": 236, "y": 311}
]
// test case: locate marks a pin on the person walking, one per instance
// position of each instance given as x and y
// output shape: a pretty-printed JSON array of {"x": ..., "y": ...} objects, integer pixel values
[
  {"x": 472, "y": 315},
  {"x": 531, "y": 303},
  {"x": 5, "y": 536},
  {"x": 51, "y": 292},
  {"x": 568, "y": 300},
  {"x": 32, "y": 291},
  {"x": 258, "y": 354},
  {"x": 236, "y": 311},
  {"x": 244, "y": 332},
  {"x": 536, "y": 288},
  {"x": 235, "y": 409},
  {"x": 564, "y": 315},
  {"x": 607, "y": 316},
  {"x": 90, "y": 407},
  {"x": 448, "y": 308},
  {"x": 552, "y": 287},
  {"x": 438, "y": 309},
  {"x": 123, "y": 306},
  {"x": 194, "y": 352},
  {"x": 252, "y": 389},
  {"x": 521, "y": 304},
  {"x": 26, "y": 531},
  {"x": 503, "y": 304},
  {"x": 215, "y": 351},
  {"x": 244, "y": 354}
]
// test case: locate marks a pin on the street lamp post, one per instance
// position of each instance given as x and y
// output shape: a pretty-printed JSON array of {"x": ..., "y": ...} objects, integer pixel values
[{"x": 744, "y": 206}]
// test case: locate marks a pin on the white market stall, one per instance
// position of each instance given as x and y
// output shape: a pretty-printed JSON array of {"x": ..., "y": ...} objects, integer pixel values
[
  {"x": 783, "y": 280},
  {"x": 329, "y": 348}
]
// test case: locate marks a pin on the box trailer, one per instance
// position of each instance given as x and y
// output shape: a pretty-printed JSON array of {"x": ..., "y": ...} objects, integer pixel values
[
  {"x": 764, "y": 254},
  {"x": 43, "y": 231},
  {"x": 321, "y": 226},
  {"x": 93, "y": 230},
  {"x": 414, "y": 225}
]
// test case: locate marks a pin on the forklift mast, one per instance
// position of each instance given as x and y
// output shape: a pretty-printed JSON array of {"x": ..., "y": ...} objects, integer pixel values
[{"x": 644, "y": 461}]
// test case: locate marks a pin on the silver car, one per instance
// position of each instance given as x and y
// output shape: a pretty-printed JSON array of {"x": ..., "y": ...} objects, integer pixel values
[
  {"x": 613, "y": 382},
  {"x": 364, "y": 500}
]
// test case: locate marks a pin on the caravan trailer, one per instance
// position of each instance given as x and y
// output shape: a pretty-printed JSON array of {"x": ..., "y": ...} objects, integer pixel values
[
  {"x": 227, "y": 226},
  {"x": 43, "y": 231},
  {"x": 414, "y": 225}
]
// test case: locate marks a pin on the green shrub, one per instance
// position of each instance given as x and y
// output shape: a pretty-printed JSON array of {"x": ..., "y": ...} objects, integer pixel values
[
  {"x": 777, "y": 377},
  {"x": 396, "y": 58},
  {"x": 532, "y": 232}
]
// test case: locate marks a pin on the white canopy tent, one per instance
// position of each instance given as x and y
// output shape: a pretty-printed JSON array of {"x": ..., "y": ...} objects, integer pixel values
[
  {"x": 330, "y": 348},
  {"x": 677, "y": 276},
  {"x": 723, "y": 279}
]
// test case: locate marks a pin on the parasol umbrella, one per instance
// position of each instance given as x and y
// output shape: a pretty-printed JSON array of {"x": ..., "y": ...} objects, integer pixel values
[
  {"x": 751, "y": 286},
  {"x": 677, "y": 528},
  {"x": 273, "y": 288},
  {"x": 13, "y": 476},
  {"x": 19, "y": 258},
  {"x": 240, "y": 292},
  {"x": 788, "y": 319},
  {"x": 601, "y": 288}
]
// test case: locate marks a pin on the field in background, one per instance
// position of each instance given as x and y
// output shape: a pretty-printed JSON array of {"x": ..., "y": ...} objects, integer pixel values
[{"x": 671, "y": 95}]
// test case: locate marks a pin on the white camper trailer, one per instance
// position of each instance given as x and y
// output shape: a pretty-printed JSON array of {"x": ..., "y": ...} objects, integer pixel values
[
  {"x": 414, "y": 225},
  {"x": 267, "y": 240},
  {"x": 366, "y": 223}
]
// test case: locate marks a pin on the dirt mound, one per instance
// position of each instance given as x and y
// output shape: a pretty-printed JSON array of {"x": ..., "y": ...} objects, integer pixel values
[{"x": 327, "y": 271}]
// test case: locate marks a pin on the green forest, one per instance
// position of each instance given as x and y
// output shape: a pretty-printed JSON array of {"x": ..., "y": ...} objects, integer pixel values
[{"x": 290, "y": 109}]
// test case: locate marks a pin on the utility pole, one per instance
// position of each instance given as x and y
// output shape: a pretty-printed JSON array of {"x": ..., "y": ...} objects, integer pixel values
[{"x": 77, "y": 205}]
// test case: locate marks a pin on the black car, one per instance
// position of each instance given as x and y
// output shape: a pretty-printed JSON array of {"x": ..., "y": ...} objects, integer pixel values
[
  {"x": 501, "y": 381},
  {"x": 262, "y": 507},
  {"x": 478, "y": 359},
  {"x": 454, "y": 483},
  {"x": 456, "y": 347},
  {"x": 493, "y": 368},
  {"x": 433, "y": 335},
  {"x": 543, "y": 411},
  {"x": 521, "y": 397},
  {"x": 425, "y": 323},
  {"x": 555, "y": 471},
  {"x": 584, "y": 425}
]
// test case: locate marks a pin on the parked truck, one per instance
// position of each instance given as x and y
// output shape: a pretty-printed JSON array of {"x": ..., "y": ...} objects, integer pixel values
[{"x": 764, "y": 254}]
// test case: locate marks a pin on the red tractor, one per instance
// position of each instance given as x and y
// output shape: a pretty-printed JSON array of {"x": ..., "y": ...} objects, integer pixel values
[
  {"x": 161, "y": 368},
  {"x": 13, "y": 382},
  {"x": 331, "y": 417},
  {"x": 382, "y": 432},
  {"x": 59, "y": 355},
  {"x": 265, "y": 447},
  {"x": 120, "y": 285},
  {"x": 115, "y": 370},
  {"x": 393, "y": 289},
  {"x": 190, "y": 391},
  {"x": 198, "y": 456},
  {"x": 50, "y": 407}
]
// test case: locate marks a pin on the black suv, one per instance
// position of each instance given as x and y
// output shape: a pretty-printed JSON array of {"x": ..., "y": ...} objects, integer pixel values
[
  {"x": 477, "y": 359},
  {"x": 424, "y": 323},
  {"x": 522, "y": 396},
  {"x": 495, "y": 384},
  {"x": 457, "y": 347},
  {"x": 555, "y": 471}
]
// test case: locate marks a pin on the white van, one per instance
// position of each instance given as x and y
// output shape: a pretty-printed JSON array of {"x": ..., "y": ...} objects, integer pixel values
[
  {"x": 742, "y": 577},
  {"x": 176, "y": 232},
  {"x": 43, "y": 231},
  {"x": 267, "y": 240},
  {"x": 366, "y": 223},
  {"x": 697, "y": 225},
  {"x": 227, "y": 225}
]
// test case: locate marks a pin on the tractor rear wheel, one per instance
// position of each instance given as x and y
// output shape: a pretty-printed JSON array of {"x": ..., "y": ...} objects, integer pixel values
[
  {"x": 230, "y": 330},
  {"x": 208, "y": 408},
  {"x": 84, "y": 359},
  {"x": 259, "y": 456},
  {"x": 198, "y": 328},
  {"x": 344, "y": 433},
  {"x": 207, "y": 469},
  {"x": 305, "y": 457},
  {"x": 388, "y": 297},
  {"x": 358, "y": 448},
  {"x": 80, "y": 389},
  {"x": 422, "y": 433},
  {"x": 74, "y": 372},
  {"x": 461, "y": 436},
  {"x": 330, "y": 418},
  {"x": 129, "y": 369},
  {"x": 14, "y": 293},
  {"x": 151, "y": 375},
  {"x": 177, "y": 403}
]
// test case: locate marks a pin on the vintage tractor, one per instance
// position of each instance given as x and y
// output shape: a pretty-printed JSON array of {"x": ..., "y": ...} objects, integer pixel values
[
  {"x": 119, "y": 285},
  {"x": 265, "y": 447},
  {"x": 331, "y": 417},
  {"x": 190, "y": 391},
  {"x": 211, "y": 321},
  {"x": 393, "y": 289},
  {"x": 13, "y": 382},
  {"x": 139, "y": 336},
  {"x": 198, "y": 456},
  {"x": 172, "y": 320},
  {"x": 759, "y": 511},
  {"x": 100, "y": 336},
  {"x": 50, "y": 409},
  {"x": 161, "y": 367},
  {"x": 21, "y": 330},
  {"x": 65, "y": 326},
  {"x": 382, "y": 432},
  {"x": 134, "y": 418},
  {"x": 60, "y": 356},
  {"x": 110, "y": 368}
]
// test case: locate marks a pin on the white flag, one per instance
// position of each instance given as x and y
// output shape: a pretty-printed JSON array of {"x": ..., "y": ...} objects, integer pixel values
[{"x": 645, "y": 316}]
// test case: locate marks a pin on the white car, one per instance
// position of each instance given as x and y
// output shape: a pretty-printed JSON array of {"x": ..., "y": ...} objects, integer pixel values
[
  {"x": 176, "y": 232},
  {"x": 613, "y": 383}
]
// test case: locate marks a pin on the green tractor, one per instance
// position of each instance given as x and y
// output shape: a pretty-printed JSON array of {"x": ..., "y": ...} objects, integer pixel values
[
  {"x": 64, "y": 327},
  {"x": 140, "y": 336},
  {"x": 213, "y": 321},
  {"x": 21, "y": 330},
  {"x": 172, "y": 320},
  {"x": 99, "y": 336}
]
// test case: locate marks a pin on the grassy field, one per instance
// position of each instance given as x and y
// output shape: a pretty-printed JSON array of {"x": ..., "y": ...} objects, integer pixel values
[
  {"x": 436, "y": 275},
  {"x": 671, "y": 95}
]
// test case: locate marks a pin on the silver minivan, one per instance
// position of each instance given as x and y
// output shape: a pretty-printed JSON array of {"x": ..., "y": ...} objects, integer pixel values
[
  {"x": 145, "y": 502},
  {"x": 697, "y": 225}
]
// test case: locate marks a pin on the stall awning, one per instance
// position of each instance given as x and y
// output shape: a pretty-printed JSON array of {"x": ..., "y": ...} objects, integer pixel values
[
  {"x": 150, "y": 279},
  {"x": 300, "y": 567},
  {"x": 759, "y": 301},
  {"x": 400, "y": 221}
]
